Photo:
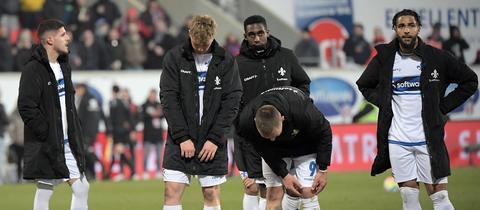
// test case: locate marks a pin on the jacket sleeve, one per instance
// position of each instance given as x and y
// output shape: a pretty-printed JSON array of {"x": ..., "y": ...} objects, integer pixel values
[
  {"x": 300, "y": 78},
  {"x": 320, "y": 128},
  {"x": 29, "y": 97},
  {"x": 368, "y": 82},
  {"x": 276, "y": 163},
  {"x": 466, "y": 79},
  {"x": 170, "y": 98},
  {"x": 232, "y": 93}
]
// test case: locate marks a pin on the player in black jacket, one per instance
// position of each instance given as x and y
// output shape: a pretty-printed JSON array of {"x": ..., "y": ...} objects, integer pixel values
[
  {"x": 263, "y": 64},
  {"x": 286, "y": 128},
  {"x": 200, "y": 91}
]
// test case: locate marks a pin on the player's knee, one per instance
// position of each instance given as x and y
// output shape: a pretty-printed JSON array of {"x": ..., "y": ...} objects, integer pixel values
[
  {"x": 307, "y": 193},
  {"x": 252, "y": 190},
  {"x": 80, "y": 188},
  {"x": 211, "y": 194},
  {"x": 172, "y": 194},
  {"x": 275, "y": 193}
]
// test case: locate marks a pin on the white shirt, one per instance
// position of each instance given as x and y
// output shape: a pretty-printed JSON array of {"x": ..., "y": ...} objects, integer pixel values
[
  {"x": 61, "y": 94},
  {"x": 407, "y": 122},
  {"x": 201, "y": 62}
]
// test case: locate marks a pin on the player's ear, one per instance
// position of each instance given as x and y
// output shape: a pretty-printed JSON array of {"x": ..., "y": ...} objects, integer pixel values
[{"x": 245, "y": 36}]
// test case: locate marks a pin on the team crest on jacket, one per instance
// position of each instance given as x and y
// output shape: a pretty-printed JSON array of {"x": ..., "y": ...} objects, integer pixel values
[
  {"x": 282, "y": 71},
  {"x": 217, "y": 83},
  {"x": 435, "y": 76}
]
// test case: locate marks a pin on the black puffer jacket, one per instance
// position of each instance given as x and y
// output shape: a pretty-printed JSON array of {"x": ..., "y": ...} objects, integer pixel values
[
  {"x": 179, "y": 97},
  {"x": 439, "y": 69},
  {"x": 39, "y": 106}
]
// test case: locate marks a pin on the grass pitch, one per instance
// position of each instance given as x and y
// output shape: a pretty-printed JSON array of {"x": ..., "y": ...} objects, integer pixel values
[{"x": 344, "y": 191}]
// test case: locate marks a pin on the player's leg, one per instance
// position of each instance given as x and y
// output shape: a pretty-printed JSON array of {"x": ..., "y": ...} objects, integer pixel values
[
  {"x": 436, "y": 188},
  {"x": 250, "y": 189},
  {"x": 262, "y": 202},
  {"x": 404, "y": 170},
  {"x": 305, "y": 169},
  {"x": 274, "y": 186},
  {"x": 175, "y": 183},
  {"x": 211, "y": 191},
  {"x": 43, "y": 194},
  {"x": 77, "y": 182}
]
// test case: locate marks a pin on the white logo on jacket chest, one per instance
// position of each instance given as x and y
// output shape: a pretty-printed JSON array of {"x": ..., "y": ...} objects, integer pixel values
[
  {"x": 185, "y": 71},
  {"x": 217, "y": 83},
  {"x": 435, "y": 76},
  {"x": 282, "y": 71},
  {"x": 250, "y": 77}
]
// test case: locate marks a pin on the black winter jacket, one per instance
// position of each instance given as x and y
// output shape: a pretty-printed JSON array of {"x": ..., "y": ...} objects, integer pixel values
[
  {"x": 276, "y": 66},
  {"x": 39, "y": 106},
  {"x": 439, "y": 69},
  {"x": 180, "y": 100},
  {"x": 305, "y": 129}
]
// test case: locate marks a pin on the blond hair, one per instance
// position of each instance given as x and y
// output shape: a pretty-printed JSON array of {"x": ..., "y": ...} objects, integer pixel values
[{"x": 202, "y": 28}]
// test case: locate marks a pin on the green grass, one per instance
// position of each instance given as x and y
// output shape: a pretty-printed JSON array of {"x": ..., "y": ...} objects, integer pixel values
[{"x": 344, "y": 191}]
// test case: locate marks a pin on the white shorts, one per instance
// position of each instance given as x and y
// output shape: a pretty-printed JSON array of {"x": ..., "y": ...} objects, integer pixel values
[
  {"x": 304, "y": 168},
  {"x": 180, "y": 177},
  {"x": 244, "y": 174},
  {"x": 412, "y": 163}
]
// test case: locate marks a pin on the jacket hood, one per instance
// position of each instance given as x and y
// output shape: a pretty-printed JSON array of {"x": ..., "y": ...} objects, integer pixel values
[
  {"x": 273, "y": 45},
  {"x": 39, "y": 53},
  {"x": 215, "y": 49}
]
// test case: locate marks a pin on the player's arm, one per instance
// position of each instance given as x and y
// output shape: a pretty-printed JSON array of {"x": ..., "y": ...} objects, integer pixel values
[
  {"x": 170, "y": 98},
  {"x": 300, "y": 78},
  {"x": 231, "y": 95},
  {"x": 322, "y": 133},
  {"x": 29, "y": 97},
  {"x": 368, "y": 82},
  {"x": 466, "y": 79}
]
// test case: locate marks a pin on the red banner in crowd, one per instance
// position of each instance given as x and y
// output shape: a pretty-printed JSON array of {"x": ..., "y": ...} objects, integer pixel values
[{"x": 354, "y": 146}]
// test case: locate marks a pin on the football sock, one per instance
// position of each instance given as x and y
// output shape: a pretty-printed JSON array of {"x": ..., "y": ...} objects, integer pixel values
[
  {"x": 42, "y": 198},
  {"x": 175, "y": 207},
  {"x": 290, "y": 202},
  {"x": 212, "y": 207},
  {"x": 441, "y": 201},
  {"x": 410, "y": 198},
  {"x": 262, "y": 203},
  {"x": 80, "y": 194},
  {"x": 250, "y": 202},
  {"x": 311, "y": 203}
]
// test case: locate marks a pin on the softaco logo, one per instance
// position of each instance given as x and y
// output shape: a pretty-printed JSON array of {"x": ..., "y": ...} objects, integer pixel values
[
  {"x": 330, "y": 34},
  {"x": 332, "y": 95}
]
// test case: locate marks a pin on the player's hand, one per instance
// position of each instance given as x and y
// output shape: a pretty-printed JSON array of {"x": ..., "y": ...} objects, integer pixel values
[
  {"x": 292, "y": 186},
  {"x": 208, "y": 151},
  {"x": 248, "y": 182},
  {"x": 319, "y": 182},
  {"x": 187, "y": 149}
]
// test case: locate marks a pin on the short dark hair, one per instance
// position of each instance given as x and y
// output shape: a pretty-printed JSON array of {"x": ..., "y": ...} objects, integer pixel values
[
  {"x": 266, "y": 119},
  {"x": 115, "y": 88},
  {"x": 406, "y": 12},
  {"x": 254, "y": 19},
  {"x": 49, "y": 25}
]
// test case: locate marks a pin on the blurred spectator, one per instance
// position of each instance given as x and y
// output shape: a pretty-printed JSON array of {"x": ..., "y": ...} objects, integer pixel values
[
  {"x": 477, "y": 58},
  {"x": 232, "y": 44},
  {"x": 15, "y": 149},
  {"x": 113, "y": 50},
  {"x": 356, "y": 48},
  {"x": 307, "y": 50},
  {"x": 90, "y": 52},
  {"x": 134, "y": 50},
  {"x": 6, "y": 58},
  {"x": 81, "y": 18},
  {"x": 131, "y": 16},
  {"x": 122, "y": 124},
  {"x": 158, "y": 46},
  {"x": 182, "y": 35},
  {"x": 54, "y": 9},
  {"x": 3, "y": 128},
  {"x": 154, "y": 12},
  {"x": 22, "y": 53},
  {"x": 75, "y": 59},
  {"x": 101, "y": 29},
  {"x": 456, "y": 44},
  {"x": 378, "y": 37},
  {"x": 152, "y": 115},
  {"x": 9, "y": 10},
  {"x": 105, "y": 9},
  {"x": 31, "y": 13},
  {"x": 90, "y": 114},
  {"x": 435, "y": 38}
]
